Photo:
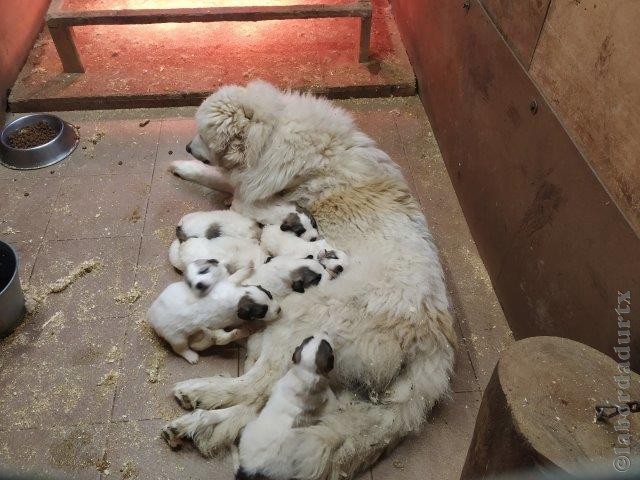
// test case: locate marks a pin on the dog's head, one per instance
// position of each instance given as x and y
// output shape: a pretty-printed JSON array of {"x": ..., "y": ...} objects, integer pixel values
[
  {"x": 234, "y": 123},
  {"x": 335, "y": 261},
  {"x": 301, "y": 223},
  {"x": 202, "y": 275},
  {"x": 315, "y": 354},
  {"x": 257, "y": 303}
]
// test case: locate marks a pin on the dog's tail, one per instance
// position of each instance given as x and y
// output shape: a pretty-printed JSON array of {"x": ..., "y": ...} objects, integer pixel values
[{"x": 359, "y": 432}]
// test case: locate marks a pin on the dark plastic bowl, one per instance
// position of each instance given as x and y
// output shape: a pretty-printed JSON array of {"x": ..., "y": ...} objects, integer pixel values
[{"x": 65, "y": 142}]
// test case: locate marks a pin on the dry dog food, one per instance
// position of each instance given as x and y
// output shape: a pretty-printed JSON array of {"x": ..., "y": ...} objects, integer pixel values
[{"x": 32, "y": 135}]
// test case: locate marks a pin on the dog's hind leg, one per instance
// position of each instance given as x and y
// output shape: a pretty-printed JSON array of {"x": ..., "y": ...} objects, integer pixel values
[{"x": 207, "y": 175}]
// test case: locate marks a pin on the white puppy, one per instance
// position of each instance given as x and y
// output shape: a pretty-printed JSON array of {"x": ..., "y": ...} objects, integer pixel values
[
  {"x": 281, "y": 275},
  {"x": 281, "y": 243},
  {"x": 217, "y": 223},
  {"x": 289, "y": 216},
  {"x": 191, "y": 313},
  {"x": 235, "y": 253},
  {"x": 272, "y": 446}
]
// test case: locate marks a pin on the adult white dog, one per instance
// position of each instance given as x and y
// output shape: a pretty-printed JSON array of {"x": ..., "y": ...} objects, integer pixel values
[{"x": 387, "y": 314}]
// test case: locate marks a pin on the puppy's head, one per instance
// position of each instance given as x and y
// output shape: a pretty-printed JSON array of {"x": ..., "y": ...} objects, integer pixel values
[
  {"x": 202, "y": 275},
  {"x": 257, "y": 303},
  {"x": 315, "y": 354},
  {"x": 305, "y": 276},
  {"x": 301, "y": 223},
  {"x": 335, "y": 261}
]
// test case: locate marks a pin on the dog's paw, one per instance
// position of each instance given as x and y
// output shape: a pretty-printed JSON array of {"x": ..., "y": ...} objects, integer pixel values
[
  {"x": 184, "y": 168},
  {"x": 206, "y": 393},
  {"x": 191, "y": 357},
  {"x": 171, "y": 435}
]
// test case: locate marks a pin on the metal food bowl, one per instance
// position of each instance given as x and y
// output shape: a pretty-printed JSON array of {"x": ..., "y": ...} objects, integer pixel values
[{"x": 55, "y": 150}]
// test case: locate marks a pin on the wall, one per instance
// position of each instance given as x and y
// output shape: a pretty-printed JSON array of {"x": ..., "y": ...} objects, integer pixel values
[
  {"x": 20, "y": 22},
  {"x": 557, "y": 248}
]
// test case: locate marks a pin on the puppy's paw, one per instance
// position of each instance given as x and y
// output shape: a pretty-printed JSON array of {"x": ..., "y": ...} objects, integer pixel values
[
  {"x": 171, "y": 435},
  {"x": 190, "y": 356}
]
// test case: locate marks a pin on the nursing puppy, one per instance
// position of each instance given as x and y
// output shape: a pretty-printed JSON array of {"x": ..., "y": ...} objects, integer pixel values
[
  {"x": 289, "y": 216},
  {"x": 189, "y": 314},
  {"x": 271, "y": 446},
  {"x": 217, "y": 223},
  {"x": 235, "y": 253},
  {"x": 277, "y": 242},
  {"x": 282, "y": 275}
]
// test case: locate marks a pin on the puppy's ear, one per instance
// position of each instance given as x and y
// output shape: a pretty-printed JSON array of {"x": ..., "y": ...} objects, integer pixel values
[
  {"x": 298, "y": 286},
  {"x": 324, "y": 358},
  {"x": 249, "y": 309},
  {"x": 213, "y": 231},
  {"x": 297, "y": 354}
]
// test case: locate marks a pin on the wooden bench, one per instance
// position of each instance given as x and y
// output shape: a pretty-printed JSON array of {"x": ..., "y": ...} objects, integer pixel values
[{"x": 61, "y": 22}]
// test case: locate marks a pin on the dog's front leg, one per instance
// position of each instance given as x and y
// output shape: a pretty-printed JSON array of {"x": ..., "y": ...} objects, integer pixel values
[{"x": 207, "y": 175}]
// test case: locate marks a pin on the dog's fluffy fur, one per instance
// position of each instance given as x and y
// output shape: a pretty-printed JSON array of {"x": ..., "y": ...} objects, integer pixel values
[
  {"x": 271, "y": 446},
  {"x": 190, "y": 314},
  {"x": 235, "y": 253},
  {"x": 388, "y": 313}
]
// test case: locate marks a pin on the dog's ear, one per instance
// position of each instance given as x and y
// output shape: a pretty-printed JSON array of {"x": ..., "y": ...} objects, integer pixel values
[
  {"x": 249, "y": 310},
  {"x": 298, "y": 286},
  {"x": 304, "y": 277},
  {"x": 297, "y": 354},
  {"x": 324, "y": 358}
]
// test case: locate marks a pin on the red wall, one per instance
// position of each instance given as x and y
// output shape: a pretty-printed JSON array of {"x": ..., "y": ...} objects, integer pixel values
[{"x": 20, "y": 22}]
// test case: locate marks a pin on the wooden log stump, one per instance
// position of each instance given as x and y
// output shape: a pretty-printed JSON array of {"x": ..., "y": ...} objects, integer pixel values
[{"x": 538, "y": 412}]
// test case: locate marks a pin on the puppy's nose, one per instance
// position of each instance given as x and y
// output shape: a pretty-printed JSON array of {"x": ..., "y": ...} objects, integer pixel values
[
  {"x": 188, "y": 147},
  {"x": 200, "y": 286},
  {"x": 339, "y": 269}
]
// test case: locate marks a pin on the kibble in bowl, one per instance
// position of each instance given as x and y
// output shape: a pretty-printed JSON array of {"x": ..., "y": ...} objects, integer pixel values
[
  {"x": 32, "y": 135},
  {"x": 36, "y": 140}
]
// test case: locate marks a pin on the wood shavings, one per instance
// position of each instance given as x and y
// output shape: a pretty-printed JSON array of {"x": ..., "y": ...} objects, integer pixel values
[
  {"x": 109, "y": 379},
  {"x": 55, "y": 320},
  {"x": 114, "y": 354},
  {"x": 96, "y": 137},
  {"x": 35, "y": 297},
  {"x": 154, "y": 369},
  {"x": 130, "y": 297}
]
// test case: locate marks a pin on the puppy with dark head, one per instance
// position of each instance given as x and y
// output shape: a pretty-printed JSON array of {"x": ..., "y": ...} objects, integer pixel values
[
  {"x": 258, "y": 304},
  {"x": 282, "y": 275},
  {"x": 270, "y": 446}
]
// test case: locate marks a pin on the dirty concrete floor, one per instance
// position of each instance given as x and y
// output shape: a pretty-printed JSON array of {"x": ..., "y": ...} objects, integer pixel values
[{"x": 84, "y": 383}]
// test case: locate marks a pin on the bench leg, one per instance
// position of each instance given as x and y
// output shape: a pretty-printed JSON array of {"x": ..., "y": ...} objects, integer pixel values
[
  {"x": 64, "y": 41},
  {"x": 365, "y": 38}
]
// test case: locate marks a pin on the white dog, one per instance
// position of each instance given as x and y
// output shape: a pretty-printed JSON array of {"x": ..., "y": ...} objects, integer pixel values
[
  {"x": 235, "y": 253},
  {"x": 389, "y": 310},
  {"x": 272, "y": 446},
  {"x": 192, "y": 313},
  {"x": 217, "y": 223}
]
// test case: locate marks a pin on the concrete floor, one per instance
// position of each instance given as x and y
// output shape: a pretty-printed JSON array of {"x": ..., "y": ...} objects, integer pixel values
[{"x": 84, "y": 383}]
